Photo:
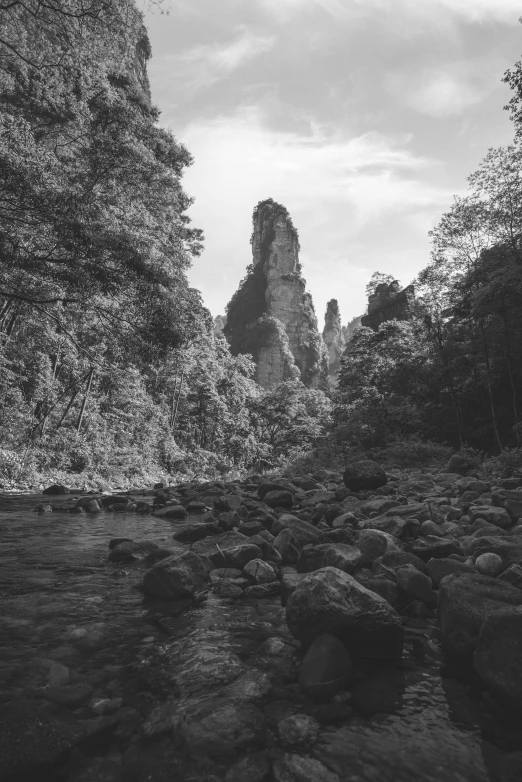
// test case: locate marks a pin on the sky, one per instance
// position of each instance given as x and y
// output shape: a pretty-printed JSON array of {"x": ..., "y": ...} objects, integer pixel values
[{"x": 363, "y": 117}]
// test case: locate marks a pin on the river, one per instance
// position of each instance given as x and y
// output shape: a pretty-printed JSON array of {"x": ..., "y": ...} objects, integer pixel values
[{"x": 72, "y": 620}]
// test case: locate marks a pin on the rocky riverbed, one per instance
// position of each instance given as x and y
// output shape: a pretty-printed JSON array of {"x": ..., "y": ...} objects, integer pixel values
[{"x": 362, "y": 627}]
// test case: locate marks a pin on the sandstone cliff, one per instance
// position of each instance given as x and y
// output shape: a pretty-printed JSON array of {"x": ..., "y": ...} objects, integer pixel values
[
  {"x": 387, "y": 303},
  {"x": 271, "y": 315},
  {"x": 333, "y": 337}
]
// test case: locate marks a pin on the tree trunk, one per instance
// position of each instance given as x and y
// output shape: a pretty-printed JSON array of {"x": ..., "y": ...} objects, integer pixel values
[
  {"x": 71, "y": 402},
  {"x": 85, "y": 398},
  {"x": 490, "y": 389},
  {"x": 175, "y": 412}
]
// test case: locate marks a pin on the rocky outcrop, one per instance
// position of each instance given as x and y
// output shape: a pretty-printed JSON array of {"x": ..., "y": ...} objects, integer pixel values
[
  {"x": 219, "y": 325},
  {"x": 333, "y": 337},
  {"x": 271, "y": 316},
  {"x": 388, "y": 302},
  {"x": 351, "y": 327}
]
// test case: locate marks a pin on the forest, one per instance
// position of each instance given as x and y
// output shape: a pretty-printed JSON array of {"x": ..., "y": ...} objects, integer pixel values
[{"x": 110, "y": 367}]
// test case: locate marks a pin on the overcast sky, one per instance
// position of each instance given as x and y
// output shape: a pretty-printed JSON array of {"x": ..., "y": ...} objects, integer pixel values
[{"x": 362, "y": 117}]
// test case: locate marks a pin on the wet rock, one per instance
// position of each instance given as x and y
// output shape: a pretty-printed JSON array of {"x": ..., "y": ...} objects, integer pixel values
[
  {"x": 295, "y": 768},
  {"x": 114, "y": 499},
  {"x": 395, "y": 559},
  {"x": 465, "y": 601},
  {"x": 44, "y": 508},
  {"x": 514, "y": 508},
  {"x": 225, "y": 732},
  {"x": 227, "y": 503},
  {"x": 132, "y": 551},
  {"x": 279, "y": 499},
  {"x": 512, "y": 575},
  {"x": 433, "y": 547},
  {"x": 116, "y": 542},
  {"x": 228, "y": 520},
  {"x": 190, "y": 533},
  {"x": 499, "y": 517},
  {"x": 343, "y": 557},
  {"x": 162, "y": 719},
  {"x": 181, "y": 575},
  {"x": 381, "y": 585},
  {"x": 157, "y": 555},
  {"x": 236, "y": 556},
  {"x": 460, "y": 464},
  {"x": 430, "y": 528},
  {"x": 260, "y": 571},
  {"x": 226, "y": 588},
  {"x": 489, "y": 565},
  {"x": 288, "y": 546},
  {"x": 438, "y": 568},
  {"x": 298, "y": 731},
  {"x": 379, "y": 506},
  {"x": 91, "y": 507},
  {"x": 251, "y": 768},
  {"x": 326, "y": 668},
  {"x": 251, "y": 528},
  {"x": 290, "y": 580},
  {"x": 263, "y": 590},
  {"x": 55, "y": 489},
  {"x": 391, "y": 525},
  {"x": 266, "y": 487},
  {"x": 224, "y": 572},
  {"x": 340, "y": 535},
  {"x": 333, "y": 602},
  {"x": 364, "y": 475},
  {"x": 498, "y": 655},
  {"x": 171, "y": 512},
  {"x": 372, "y": 544},
  {"x": 303, "y": 530},
  {"x": 415, "y": 584}
]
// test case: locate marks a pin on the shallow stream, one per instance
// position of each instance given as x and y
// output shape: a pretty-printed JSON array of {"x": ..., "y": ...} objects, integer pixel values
[{"x": 64, "y": 603}]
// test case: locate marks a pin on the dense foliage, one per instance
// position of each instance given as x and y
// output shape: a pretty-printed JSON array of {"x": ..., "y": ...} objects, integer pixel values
[
  {"x": 452, "y": 372},
  {"x": 109, "y": 365}
]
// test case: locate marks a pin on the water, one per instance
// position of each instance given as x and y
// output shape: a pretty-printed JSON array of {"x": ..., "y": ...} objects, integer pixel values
[{"x": 63, "y": 602}]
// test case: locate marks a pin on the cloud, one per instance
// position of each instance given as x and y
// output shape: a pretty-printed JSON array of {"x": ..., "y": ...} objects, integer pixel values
[
  {"x": 347, "y": 196},
  {"x": 471, "y": 10},
  {"x": 437, "y": 93},
  {"x": 205, "y": 64}
]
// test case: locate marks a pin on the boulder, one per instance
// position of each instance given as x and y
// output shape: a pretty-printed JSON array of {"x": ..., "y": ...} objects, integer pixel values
[
  {"x": 290, "y": 580},
  {"x": 225, "y": 732},
  {"x": 364, "y": 475},
  {"x": 298, "y": 768},
  {"x": 489, "y": 565},
  {"x": 260, "y": 571},
  {"x": 298, "y": 731},
  {"x": 498, "y": 654},
  {"x": 131, "y": 551},
  {"x": 171, "y": 512},
  {"x": 465, "y": 601},
  {"x": 288, "y": 545},
  {"x": 236, "y": 556},
  {"x": 433, "y": 547},
  {"x": 331, "y": 601},
  {"x": 55, "y": 489},
  {"x": 414, "y": 584},
  {"x": 512, "y": 575},
  {"x": 326, "y": 668},
  {"x": 372, "y": 544},
  {"x": 190, "y": 533},
  {"x": 342, "y": 556},
  {"x": 396, "y": 559},
  {"x": 438, "y": 568},
  {"x": 279, "y": 499},
  {"x": 181, "y": 575},
  {"x": 395, "y": 526},
  {"x": 303, "y": 530},
  {"x": 460, "y": 464},
  {"x": 499, "y": 517}
]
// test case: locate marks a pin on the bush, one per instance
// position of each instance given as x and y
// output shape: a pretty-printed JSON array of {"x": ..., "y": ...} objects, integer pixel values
[{"x": 414, "y": 453}]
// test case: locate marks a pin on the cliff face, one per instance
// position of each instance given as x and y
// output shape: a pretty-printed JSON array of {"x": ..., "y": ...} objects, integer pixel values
[
  {"x": 333, "y": 337},
  {"x": 271, "y": 315},
  {"x": 388, "y": 303}
]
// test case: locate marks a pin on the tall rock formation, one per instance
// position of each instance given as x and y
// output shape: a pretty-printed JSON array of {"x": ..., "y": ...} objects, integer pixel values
[
  {"x": 333, "y": 337},
  {"x": 387, "y": 303},
  {"x": 271, "y": 315}
]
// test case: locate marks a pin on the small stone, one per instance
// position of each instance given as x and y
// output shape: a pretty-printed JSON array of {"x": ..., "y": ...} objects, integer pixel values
[
  {"x": 415, "y": 584},
  {"x": 225, "y": 588},
  {"x": 58, "y": 675},
  {"x": 430, "y": 528},
  {"x": 327, "y": 667},
  {"x": 171, "y": 512},
  {"x": 298, "y": 730},
  {"x": 294, "y": 768},
  {"x": 489, "y": 565},
  {"x": 260, "y": 571},
  {"x": 44, "y": 508},
  {"x": 251, "y": 768},
  {"x": 512, "y": 575}
]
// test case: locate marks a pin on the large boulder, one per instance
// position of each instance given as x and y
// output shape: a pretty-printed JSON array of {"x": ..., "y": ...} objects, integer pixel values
[
  {"x": 438, "y": 568},
  {"x": 433, "y": 547},
  {"x": 181, "y": 575},
  {"x": 279, "y": 499},
  {"x": 331, "y": 601},
  {"x": 173, "y": 512},
  {"x": 460, "y": 464},
  {"x": 288, "y": 546},
  {"x": 338, "y": 555},
  {"x": 303, "y": 530},
  {"x": 465, "y": 602},
  {"x": 56, "y": 488},
  {"x": 190, "y": 533},
  {"x": 498, "y": 655},
  {"x": 364, "y": 475}
]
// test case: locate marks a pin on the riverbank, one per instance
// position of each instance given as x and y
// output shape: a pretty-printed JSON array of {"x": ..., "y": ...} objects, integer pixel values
[{"x": 217, "y": 680}]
